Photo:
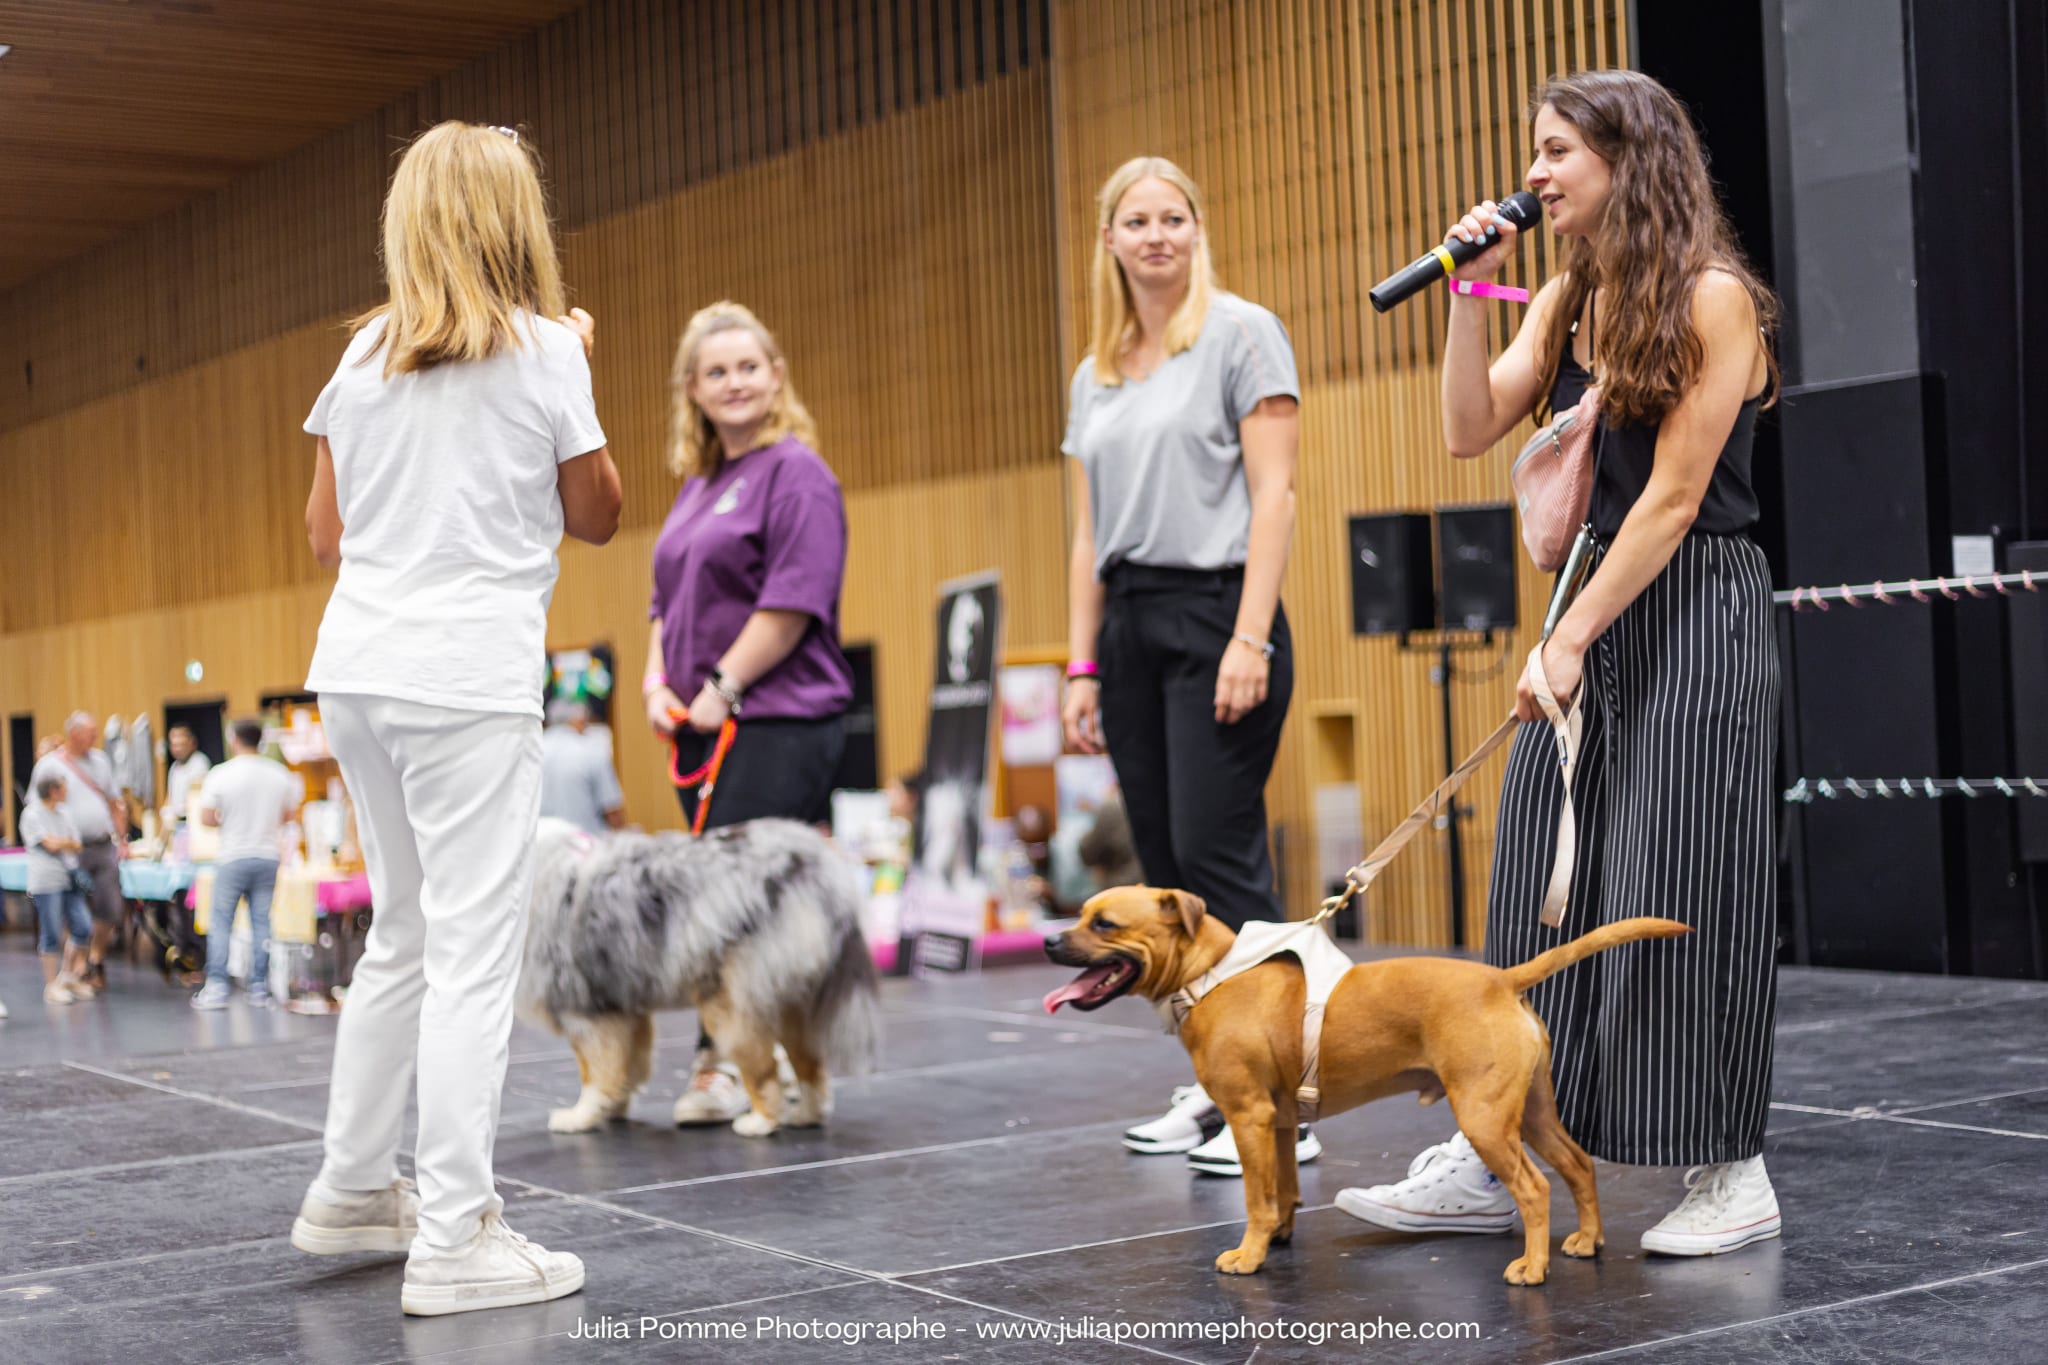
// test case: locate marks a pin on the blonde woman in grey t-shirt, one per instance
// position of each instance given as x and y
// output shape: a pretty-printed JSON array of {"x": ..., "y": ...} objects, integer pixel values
[{"x": 1183, "y": 424}]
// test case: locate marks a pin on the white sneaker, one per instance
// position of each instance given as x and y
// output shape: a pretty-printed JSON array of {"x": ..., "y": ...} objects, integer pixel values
[
  {"x": 497, "y": 1270},
  {"x": 1218, "y": 1156},
  {"x": 57, "y": 993},
  {"x": 212, "y": 996},
  {"x": 1191, "y": 1121},
  {"x": 715, "y": 1094},
  {"x": 79, "y": 989},
  {"x": 381, "y": 1220},
  {"x": 1726, "y": 1207},
  {"x": 1448, "y": 1189}
]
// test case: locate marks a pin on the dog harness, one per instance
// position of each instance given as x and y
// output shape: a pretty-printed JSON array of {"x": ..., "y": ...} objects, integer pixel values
[{"x": 1323, "y": 963}]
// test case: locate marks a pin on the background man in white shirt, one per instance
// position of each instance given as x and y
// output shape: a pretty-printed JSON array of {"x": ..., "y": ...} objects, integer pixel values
[{"x": 248, "y": 798}]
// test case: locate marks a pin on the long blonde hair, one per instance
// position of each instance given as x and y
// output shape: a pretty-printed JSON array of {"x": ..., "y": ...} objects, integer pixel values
[
  {"x": 693, "y": 446},
  {"x": 466, "y": 246},
  {"x": 1114, "y": 319}
]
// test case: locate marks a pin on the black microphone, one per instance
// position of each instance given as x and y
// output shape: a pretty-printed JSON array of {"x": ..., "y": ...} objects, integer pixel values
[{"x": 1520, "y": 208}]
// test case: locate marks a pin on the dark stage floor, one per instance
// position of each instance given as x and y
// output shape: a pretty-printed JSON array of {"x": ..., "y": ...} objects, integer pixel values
[{"x": 151, "y": 1160}]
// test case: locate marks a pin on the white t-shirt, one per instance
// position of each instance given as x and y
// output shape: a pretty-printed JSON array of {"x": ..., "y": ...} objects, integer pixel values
[
  {"x": 180, "y": 779},
  {"x": 255, "y": 796},
  {"x": 450, "y": 518}
]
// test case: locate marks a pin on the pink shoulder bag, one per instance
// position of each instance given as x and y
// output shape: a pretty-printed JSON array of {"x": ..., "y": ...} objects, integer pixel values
[{"x": 1553, "y": 478}]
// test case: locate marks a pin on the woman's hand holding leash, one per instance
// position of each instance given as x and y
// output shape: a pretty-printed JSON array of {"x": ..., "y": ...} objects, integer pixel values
[
  {"x": 1563, "y": 667},
  {"x": 708, "y": 711},
  {"x": 663, "y": 709}
]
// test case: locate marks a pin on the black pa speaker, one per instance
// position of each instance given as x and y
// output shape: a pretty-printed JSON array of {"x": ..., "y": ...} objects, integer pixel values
[
  {"x": 1391, "y": 588},
  {"x": 1476, "y": 565}
]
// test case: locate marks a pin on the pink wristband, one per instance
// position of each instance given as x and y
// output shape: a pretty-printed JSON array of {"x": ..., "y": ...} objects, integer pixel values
[
  {"x": 1480, "y": 289},
  {"x": 1082, "y": 668}
]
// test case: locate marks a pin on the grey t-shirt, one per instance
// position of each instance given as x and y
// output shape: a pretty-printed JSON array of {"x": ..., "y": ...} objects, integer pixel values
[
  {"x": 1165, "y": 466},
  {"x": 577, "y": 782},
  {"x": 90, "y": 814},
  {"x": 47, "y": 871}
]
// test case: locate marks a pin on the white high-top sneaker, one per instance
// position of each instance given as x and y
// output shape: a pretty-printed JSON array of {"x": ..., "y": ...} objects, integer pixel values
[
  {"x": 1726, "y": 1207},
  {"x": 380, "y": 1220},
  {"x": 496, "y": 1270},
  {"x": 1192, "y": 1120},
  {"x": 1448, "y": 1189}
]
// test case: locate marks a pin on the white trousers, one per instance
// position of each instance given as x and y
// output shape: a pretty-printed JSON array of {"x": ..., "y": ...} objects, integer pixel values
[{"x": 446, "y": 804}]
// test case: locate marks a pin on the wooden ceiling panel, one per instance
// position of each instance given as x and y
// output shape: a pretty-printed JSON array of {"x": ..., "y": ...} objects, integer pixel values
[{"x": 115, "y": 111}]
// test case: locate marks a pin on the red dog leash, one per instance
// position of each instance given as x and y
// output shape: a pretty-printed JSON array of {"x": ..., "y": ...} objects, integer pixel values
[{"x": 706, "y": 776}]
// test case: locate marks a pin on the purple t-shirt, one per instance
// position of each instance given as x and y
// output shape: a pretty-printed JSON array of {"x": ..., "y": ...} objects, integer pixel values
[{"x": 766, "y": 532}]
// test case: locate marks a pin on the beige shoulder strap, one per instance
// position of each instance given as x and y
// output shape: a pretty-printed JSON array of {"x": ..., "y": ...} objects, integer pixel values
[{"x": 1567, "y": 728}]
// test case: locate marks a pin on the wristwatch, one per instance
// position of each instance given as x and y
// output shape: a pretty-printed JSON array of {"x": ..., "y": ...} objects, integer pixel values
[{"x": 728, "y": 692}]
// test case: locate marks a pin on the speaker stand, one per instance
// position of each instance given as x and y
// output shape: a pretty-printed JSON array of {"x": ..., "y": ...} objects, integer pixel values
[{"x": 1446, "y": 643}]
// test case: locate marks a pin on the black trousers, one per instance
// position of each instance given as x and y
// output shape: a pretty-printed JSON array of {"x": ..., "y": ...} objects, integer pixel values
[
  {"x": 775, "y": 768},
  {"x": 1195, "y": 789},
  {"x": 1661, "y": 1050}
]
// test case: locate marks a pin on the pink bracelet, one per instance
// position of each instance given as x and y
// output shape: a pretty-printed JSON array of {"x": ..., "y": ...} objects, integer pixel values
[
  {"x": 1082, "y": 668},
  {"x": 1480, "y": 289}
]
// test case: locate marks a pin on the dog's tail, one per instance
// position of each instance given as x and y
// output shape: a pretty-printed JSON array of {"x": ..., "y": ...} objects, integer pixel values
[
  {"x": 846, "y": 1014},
  {"x": 1606, "y": 936}
]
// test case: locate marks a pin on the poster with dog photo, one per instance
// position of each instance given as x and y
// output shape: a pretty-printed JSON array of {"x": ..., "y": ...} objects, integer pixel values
[{"x": 945, "y": 899}]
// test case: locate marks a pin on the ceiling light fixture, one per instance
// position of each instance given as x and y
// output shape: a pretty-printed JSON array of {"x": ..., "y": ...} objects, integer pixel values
[{"x": 6, "y": 48}]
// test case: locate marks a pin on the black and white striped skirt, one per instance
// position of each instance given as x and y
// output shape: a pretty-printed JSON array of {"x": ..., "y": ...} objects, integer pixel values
[{"x": 1662, "y": 1050}]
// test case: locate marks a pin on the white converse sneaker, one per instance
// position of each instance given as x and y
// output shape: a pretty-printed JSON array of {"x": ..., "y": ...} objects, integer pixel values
[
  {"x": 1448, "y": 1189},
  {"x": 715, "y": 1094},
  {"x": 1192, "y": 1120},
  {"x": 1218, "y": 1156},
  {"x": 1726, "y": 1207},
  {"x": 380, "y": 1220},
  {"x": 212, "y": 996},
  {"x": 497, "y": 1270}
]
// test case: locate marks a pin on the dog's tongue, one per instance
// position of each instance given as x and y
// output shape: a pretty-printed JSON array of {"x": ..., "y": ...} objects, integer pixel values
[{"x": 1078, "y": 987}]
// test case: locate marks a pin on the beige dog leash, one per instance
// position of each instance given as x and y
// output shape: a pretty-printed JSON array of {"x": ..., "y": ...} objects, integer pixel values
[{"x": 1566, "y": 729}]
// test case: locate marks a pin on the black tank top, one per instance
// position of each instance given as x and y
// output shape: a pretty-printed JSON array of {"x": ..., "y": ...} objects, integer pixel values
[{"x": 1628, "y": 453}]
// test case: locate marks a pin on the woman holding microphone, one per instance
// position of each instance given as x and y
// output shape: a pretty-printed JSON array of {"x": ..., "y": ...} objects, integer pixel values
[{"x": 1662, "y": 1051}]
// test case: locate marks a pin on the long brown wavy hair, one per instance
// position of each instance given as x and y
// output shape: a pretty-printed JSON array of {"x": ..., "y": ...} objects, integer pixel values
[{"x": 1662, "y": 228}]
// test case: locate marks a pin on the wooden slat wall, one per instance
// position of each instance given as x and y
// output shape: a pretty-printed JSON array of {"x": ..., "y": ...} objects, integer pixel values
[
  {"x": 904, "y": 261},
  {"x": 919, "y": 236},
  {"x": 629, "y": 100},
  {"x": 1334, "y": 141}
]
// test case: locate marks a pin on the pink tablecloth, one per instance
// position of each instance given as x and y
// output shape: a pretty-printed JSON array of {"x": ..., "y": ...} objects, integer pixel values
[{"x": 349, "y": 893}]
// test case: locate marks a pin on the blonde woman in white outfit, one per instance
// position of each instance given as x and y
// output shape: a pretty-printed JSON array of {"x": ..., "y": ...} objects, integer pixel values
[{"x": 458, "y": 442}]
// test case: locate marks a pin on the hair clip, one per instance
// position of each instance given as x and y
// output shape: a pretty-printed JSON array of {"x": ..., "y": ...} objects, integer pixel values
[{"x": 512, "y": 133}]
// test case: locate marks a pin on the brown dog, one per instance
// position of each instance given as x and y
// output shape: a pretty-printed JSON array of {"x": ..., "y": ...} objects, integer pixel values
[{"x": 1441, "y": 1026}]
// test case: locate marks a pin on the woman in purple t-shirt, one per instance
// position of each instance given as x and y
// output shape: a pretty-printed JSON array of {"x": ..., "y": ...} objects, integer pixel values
[{"x": 747, "y": 572}]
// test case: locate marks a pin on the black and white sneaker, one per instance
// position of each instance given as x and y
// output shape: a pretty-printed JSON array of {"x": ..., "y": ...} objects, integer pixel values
[
  {"x": 1218, "y": 1156},
  {"x": 1192, "y": 1121}
]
